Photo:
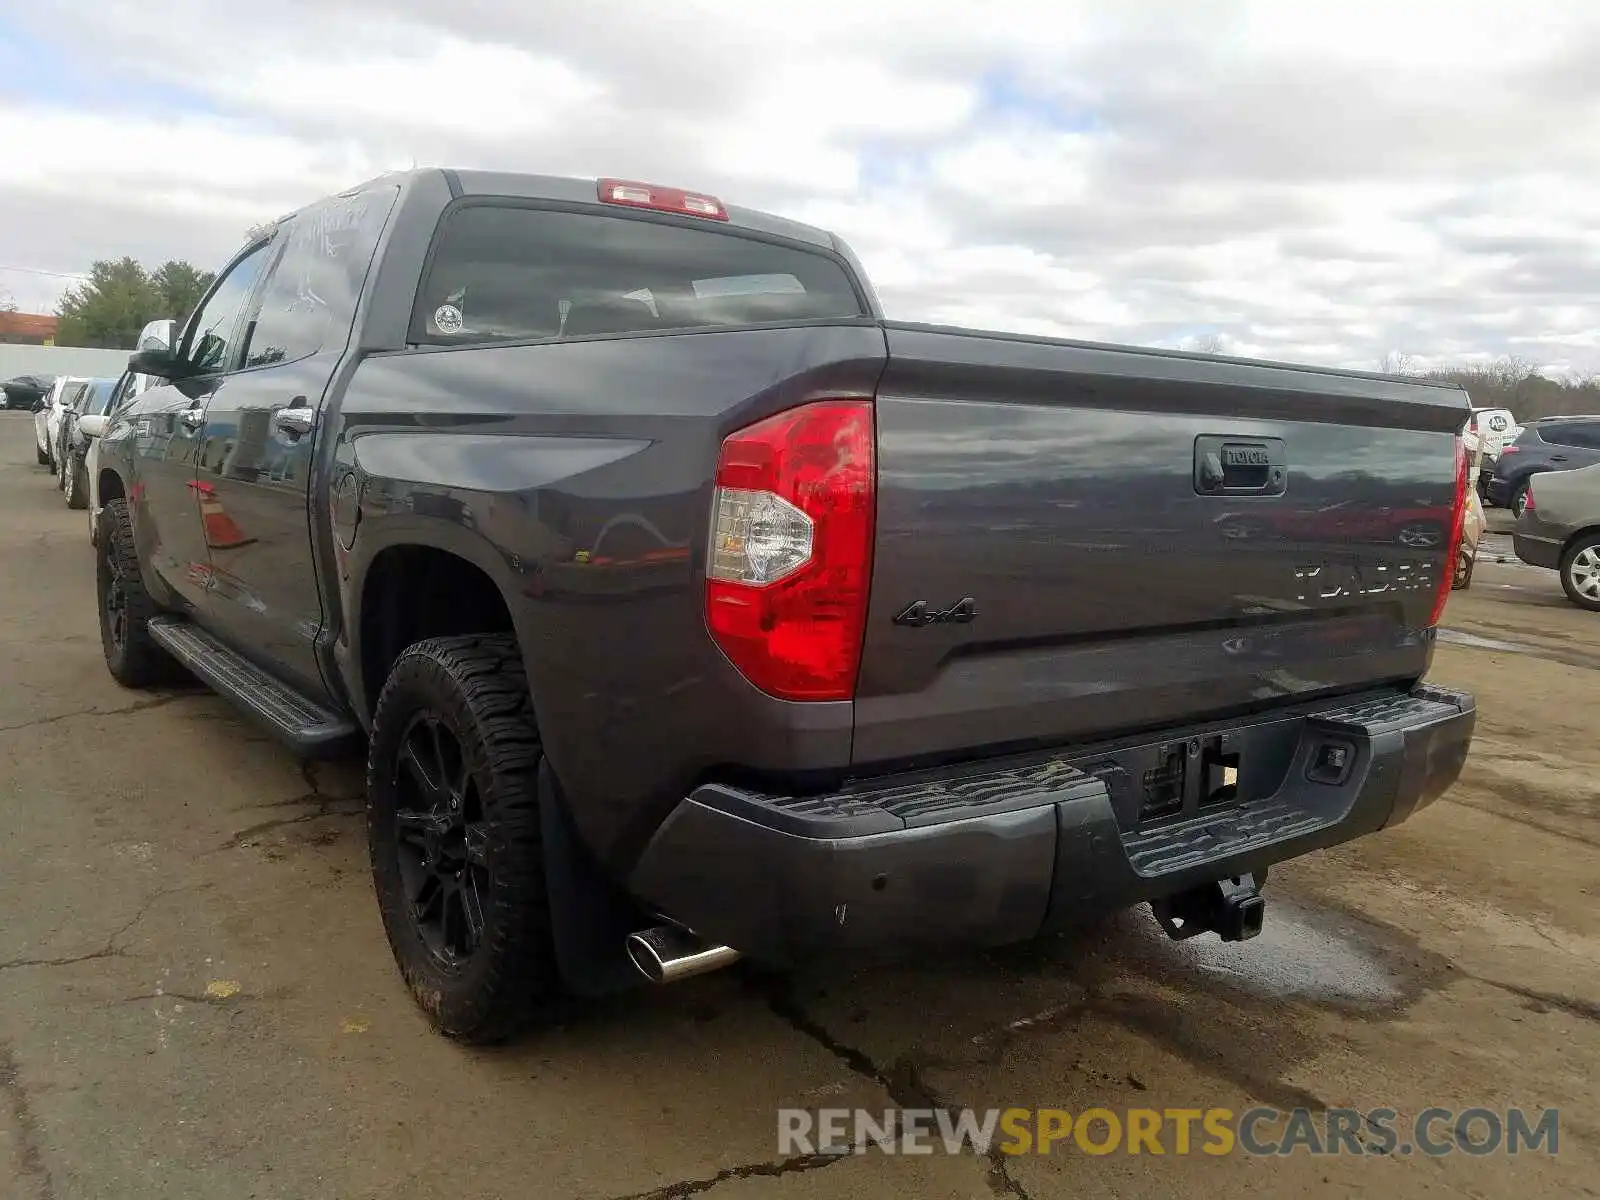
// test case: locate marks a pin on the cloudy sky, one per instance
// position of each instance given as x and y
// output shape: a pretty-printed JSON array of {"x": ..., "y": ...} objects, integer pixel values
[{"x": 1328, "y": 182}]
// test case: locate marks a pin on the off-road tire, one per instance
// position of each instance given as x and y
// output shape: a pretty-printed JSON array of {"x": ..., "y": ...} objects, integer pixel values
[
  {"x": 134, "y": 659},
  {"x": 475, "y": 687}
]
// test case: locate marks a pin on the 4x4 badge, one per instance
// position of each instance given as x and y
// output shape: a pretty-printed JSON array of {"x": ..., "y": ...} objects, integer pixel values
[{"x": 920, "y": 614}]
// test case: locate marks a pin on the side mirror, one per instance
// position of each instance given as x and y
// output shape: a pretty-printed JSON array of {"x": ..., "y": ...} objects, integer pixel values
[
  {"x": 162, "y": 363},
  {"x": 93, "y": 425}
]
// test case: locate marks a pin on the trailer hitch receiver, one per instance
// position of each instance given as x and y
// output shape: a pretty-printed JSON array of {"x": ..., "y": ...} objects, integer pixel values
[{"x": 1233, "y": 909}]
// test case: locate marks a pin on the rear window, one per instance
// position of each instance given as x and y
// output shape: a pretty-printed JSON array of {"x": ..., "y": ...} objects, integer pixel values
[{"x": 500, "y": 272}]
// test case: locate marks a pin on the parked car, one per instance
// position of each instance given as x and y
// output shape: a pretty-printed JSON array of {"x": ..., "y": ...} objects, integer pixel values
[
  {"x": 157, "y": 335},
  {"x": 25, "y": 391},
  {"x": 1548, "y": 444},
  {"x": 94, "y": 390},
  {"x": 1559, "y": 529},
  {"x": 74, "y": 442},
  {"x": 47, "y": 417},
  {"x": 642, "y": 550}
]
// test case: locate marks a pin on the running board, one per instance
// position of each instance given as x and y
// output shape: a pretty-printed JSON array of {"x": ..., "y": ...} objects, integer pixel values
[{"x": 311, "y": 730}]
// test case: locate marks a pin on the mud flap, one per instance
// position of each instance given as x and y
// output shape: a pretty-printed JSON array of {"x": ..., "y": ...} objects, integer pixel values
[{"x": 590, "y": 917}]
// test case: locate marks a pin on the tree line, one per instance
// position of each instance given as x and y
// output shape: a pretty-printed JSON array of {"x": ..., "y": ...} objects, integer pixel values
[
  {"x": 1511, "y": 382},
  {"x": 121, "y": 297}
]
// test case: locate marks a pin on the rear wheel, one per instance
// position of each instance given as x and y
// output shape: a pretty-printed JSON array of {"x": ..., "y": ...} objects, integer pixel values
[
  {"x": 76, "y": 487},
  {"x": 132, "y": 655},
  {"x": 1580, "y": 572},
  {"x": 453, "y": 831}
]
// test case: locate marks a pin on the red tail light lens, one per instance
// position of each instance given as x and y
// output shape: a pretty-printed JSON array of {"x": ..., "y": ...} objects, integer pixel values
[
  {"x": 661, "y": 199},
  {"x": 789, "y": 567},
  {"x": 1458, "y": 520}
]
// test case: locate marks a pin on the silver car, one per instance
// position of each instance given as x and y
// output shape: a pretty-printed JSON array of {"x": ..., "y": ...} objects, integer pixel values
[{"x": 1560, "y": 529}]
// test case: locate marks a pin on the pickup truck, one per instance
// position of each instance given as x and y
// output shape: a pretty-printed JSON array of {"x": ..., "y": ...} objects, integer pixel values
[{"x": 691, "y": 610}]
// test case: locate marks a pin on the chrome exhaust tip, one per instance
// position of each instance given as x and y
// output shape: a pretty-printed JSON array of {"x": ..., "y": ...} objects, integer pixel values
[{"x": 668, "y": 953}]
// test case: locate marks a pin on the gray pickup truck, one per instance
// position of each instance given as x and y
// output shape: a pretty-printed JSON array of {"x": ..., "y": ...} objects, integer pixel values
[{"x": 689, "y": 609}]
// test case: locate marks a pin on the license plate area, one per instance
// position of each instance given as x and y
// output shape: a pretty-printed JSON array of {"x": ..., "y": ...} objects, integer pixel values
[{"x": 1180, "y": 777}]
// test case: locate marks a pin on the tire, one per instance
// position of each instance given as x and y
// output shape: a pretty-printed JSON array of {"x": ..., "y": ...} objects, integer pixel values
[
  {"x": 42, "y": 455},
  {"x": 76, "y": 487},
  {"x": 469, "y": 693},
  {"x": 132, "y": 655},
  {"x": 1580, "y": 572}
]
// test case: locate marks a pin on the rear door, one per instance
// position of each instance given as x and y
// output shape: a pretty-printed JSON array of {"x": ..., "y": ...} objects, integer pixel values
[
  {"x": 257, "y": 464},
  {"x": 1572, "y": 443}
]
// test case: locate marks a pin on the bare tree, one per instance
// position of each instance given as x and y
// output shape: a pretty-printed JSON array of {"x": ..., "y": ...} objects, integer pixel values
[
  {"x": 1210, "y": 343},
  {"x": 8, "y": 302},
  {"x": 1398, "y": 362}
]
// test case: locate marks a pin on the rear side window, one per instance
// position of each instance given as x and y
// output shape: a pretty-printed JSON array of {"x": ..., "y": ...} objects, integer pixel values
[
  {"x": 502, "y": 272},
  {"x": 322, "y": 256},
  {"x": 1571, "y": 433}
]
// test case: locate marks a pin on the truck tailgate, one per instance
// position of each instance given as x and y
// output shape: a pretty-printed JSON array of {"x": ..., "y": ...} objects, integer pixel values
[{"x": 1076, "y": 540}]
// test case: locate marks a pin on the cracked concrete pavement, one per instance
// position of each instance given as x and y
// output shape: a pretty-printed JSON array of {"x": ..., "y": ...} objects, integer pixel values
[{"x": 196, "y": 999}]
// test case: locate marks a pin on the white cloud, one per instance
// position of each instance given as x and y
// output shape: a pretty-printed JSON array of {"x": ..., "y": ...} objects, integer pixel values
[{"x": 1324, "y": 182}]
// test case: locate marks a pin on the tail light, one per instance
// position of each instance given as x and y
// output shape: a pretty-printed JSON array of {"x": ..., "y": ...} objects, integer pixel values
[
  {"x": 1527, "y": 497},
  {"x": 789, "y": 567},
  {"x": 1458, "y": 520},
  {"x": 1504, "y": 450}
]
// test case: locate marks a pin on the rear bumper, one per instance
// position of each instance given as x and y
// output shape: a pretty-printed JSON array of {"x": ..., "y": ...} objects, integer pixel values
[
  {"x": 1536, "y": 543},
  {"x": 1001, "y": 852}
]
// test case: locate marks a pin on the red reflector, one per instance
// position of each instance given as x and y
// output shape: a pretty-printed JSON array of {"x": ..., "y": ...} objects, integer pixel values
[
  {"x": 1510, "y": 449},
  {"x": 661, "y": 199},
  {"x": 789, "y": 567},
  {"x": 1458, "y": 519}
]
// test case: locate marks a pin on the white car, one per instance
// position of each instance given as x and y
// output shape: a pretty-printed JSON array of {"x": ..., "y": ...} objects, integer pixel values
[
  {"x": 156, "y": 335},
  {"x": 68, "y": 390}
]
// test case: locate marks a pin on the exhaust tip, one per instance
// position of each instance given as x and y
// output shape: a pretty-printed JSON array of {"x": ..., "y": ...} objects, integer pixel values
[{"x": 668, "y": 953}]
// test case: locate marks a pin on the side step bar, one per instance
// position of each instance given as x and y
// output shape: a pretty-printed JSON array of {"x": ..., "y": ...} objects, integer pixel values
[{"x": 310, "y": 730}]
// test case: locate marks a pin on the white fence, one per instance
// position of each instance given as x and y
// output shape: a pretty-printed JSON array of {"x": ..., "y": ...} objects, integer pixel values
[{"x": 61, "y": 360}]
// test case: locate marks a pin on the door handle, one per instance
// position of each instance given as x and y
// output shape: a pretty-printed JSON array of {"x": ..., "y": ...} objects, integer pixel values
[
  {"x": 1558, "y": 458},
  {"x": 193, "y": 418},
  {"x": 294, "y": 420}
]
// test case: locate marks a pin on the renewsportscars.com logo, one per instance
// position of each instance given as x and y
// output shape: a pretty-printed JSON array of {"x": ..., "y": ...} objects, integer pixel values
[{"x": 1259, "y": 1132}]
